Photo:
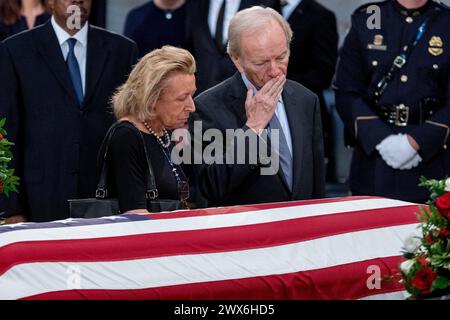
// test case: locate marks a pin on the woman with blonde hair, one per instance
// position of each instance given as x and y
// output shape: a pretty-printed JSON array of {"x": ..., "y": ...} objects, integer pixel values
[
  {"x": 156, "y": 98},
  {"x": 20, "y": 15}
]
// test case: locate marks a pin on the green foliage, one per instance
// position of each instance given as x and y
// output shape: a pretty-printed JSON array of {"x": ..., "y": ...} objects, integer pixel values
[
  {"x": 432, "y": 258},
  {"x": 8, "y": 181},
  {"x": 441, "y": 283},
  {"x": 436, "y": 187}
]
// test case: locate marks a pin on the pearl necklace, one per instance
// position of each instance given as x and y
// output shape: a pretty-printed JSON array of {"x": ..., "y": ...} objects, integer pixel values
[{"x": 166, "y": 135}]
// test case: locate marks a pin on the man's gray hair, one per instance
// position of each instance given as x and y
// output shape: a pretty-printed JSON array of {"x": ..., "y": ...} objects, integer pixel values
[{"x": 254, "y": 19}]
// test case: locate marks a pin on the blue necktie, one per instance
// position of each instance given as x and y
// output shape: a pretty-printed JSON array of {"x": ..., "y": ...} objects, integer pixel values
[
  {"x": 74, "y": 71},
  {"x": 285, "y": 154}
]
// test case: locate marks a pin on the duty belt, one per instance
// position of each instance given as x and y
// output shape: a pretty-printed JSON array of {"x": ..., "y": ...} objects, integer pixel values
[
  {"x": 401, "y": 115},
  {"x": 396, "y": 114}
]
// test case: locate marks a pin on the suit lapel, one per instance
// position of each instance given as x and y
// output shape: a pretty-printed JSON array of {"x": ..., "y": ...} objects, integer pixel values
[
  {"x": 204, "y": 8},
  {"x": 238, "y": 94},
  {"x": 303, "y": 5},
  {"x": 299, "y": 11},
  {"x": 244, "y": 4},
  {"x": 95, "y": 62},
  {"x": 237, "y": 98},
  {"x": 298, "y": 131},
  {"x": 51, "y": 53}
]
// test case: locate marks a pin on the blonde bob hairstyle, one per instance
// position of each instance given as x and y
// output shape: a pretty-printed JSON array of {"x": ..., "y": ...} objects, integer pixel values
[
  {"x": 253, "y": 20},
  {"x": 138, "y": 95}
]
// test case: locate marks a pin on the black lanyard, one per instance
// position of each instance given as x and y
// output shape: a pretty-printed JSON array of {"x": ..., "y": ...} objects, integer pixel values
[
  {"x": 402, "y": 58},
  {"x": 182, "y": 185},
  {"x": 169, "y": 160}
]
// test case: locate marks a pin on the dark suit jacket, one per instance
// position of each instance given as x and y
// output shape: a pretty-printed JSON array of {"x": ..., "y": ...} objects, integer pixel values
[
  {"x": 213, "y": 63},
  {"x": 314, "y": 46},
  {"x": 148, "y": 26},
  {"x": 56, "y": 140},
  {"x": 314, "y": 54},
  {"x": 222, "y": 107}
]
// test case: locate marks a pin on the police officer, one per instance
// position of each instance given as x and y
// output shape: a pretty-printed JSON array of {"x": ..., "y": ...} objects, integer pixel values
[{"x": 393, "y": 93}]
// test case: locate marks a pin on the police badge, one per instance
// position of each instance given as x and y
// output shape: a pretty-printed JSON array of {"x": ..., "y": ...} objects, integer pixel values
[
  {"x": 377, "y": 43},
  {"x": 436, "y": 45}
]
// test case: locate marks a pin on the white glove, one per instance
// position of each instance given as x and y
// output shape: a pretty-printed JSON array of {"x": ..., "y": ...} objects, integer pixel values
[
  {"x": 414, "y": 162},
  {"x": 396, "y": 151}
]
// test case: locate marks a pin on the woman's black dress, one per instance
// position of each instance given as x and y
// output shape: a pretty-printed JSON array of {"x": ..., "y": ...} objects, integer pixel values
[{"x": 127, "y": 169}]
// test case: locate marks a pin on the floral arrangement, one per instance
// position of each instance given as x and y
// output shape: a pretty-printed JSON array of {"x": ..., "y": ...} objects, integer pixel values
[
  {"x": 8, "y": 181},
  {"x": 426, "y": 270}
]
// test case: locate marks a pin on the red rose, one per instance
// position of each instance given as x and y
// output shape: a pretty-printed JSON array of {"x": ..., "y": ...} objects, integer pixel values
[
  {"x": 429, "y": 240},
  {"x": 424, "y": 262},
  {"x": 443, "y": 205},
  {"x": 444, "y": 232},
  {"x": 1, "y": 136},
  {"x": 423, "y": 279}
]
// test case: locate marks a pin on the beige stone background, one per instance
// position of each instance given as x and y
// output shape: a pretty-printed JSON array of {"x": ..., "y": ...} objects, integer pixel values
[{"x": 117, "y": 10}]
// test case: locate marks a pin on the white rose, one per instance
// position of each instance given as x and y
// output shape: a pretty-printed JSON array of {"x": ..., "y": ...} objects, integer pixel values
[
  {"x": 412, "y": 244},
  {"x": 405, "y": 266},
  {"x": 447, "y": 185}
]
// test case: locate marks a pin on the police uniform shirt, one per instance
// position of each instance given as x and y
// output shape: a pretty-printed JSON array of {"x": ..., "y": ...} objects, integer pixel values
[{"x": 367, "y": 55}]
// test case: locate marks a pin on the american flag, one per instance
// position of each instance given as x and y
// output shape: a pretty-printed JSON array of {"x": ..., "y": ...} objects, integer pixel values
[{"x": 318, "y": 249}]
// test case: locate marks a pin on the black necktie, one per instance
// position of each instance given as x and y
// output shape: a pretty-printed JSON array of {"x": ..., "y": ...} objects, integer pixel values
[{"x": 219, "y": 26}]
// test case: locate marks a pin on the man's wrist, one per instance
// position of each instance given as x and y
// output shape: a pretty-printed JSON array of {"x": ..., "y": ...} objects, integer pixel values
[
  {"x": 255, "y": 129},
  {"x": 413, "y": 143}
]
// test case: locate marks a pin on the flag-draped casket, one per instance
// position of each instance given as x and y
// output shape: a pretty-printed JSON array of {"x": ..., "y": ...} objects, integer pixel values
[{"x": 346, "y": 248}]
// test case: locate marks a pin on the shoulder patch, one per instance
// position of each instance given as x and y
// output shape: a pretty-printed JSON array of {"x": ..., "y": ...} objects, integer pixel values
[
  {"x": 362, "y": 9},
  {"x": 441, "y": 5}
]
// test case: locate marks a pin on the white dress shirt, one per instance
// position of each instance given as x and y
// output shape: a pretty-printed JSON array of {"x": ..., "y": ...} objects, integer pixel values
[
  {"x": 280, "y": 112},
  {"x": 231, "y": 9},
  {"x": 289, "y": 8},
  {"x": 80, "y": 48}
]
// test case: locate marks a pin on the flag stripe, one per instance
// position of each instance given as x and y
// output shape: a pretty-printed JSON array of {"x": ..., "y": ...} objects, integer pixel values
[
  {"x": 73, "y": 223},
  {"x": 395, "y": 295},
  {"x": 184, "y": 269},
  {"x": 327, "y": 284},
  {"x": 198, "y": 222},
  {"x": 259, "y": 207},
  {"x": 169, "y": 215},
  {"x": 200, "y": 241}
]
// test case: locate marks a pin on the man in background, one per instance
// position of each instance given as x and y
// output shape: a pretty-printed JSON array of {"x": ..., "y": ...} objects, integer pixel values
[
  {"x": 207, "y": 24},
  {"x": 157, "y": 23},
  {"x": 313, "y": 56},
  {"x": 55, "y": 85}
]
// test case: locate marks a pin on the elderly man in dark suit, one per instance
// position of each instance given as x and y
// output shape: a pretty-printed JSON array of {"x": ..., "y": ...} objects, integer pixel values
[
  {"x": 313, "y": 54},
  {"x": 258, "y": 99},
  {"x": 207, "y": 24},
  {"x": 55, "y": 86}
]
